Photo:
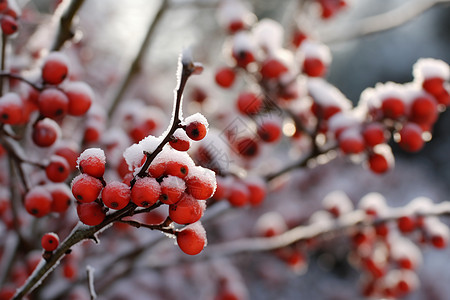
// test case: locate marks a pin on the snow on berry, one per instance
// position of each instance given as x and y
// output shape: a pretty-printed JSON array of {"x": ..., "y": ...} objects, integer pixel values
[
  {"x": 337, "y": 203},
  {"x": 58, "y": 169},
  {"x": 270, "y": 224},
  {"x": 145, "y": 192},
  {"x": 201, "y": 182},
  {"x": 86, "y": 188},
  {"x": 426, "y": 68},
  {"x": 243, "y": 49},
  {"x": 45, "y": 132},
  {"x": 11, "y": 107},
  {"x": 239, "y": 194},
  {"x": 192, "y": 239},
  {"x": 196, "y": 126},
  {"x": 172, "y": 187},
  {"x": 437, "y": 231},
  {"x": 234, "y": 15},
  {"x": 50, "y": 241},
  {"x": 80, "y": 97},
  {"x": 327, "y": 96},
  {"x": 133, "y": 156},
  {"x": 38, "y": 201},
  {"x": 92, "y": 162},
  {"x": 374, "y": 204},
  {"x": 381, "y": 159},
  {"x": 268, "y": 35},
  {"x": 53, "y": 103},
  {"x": 180, "y": 141},
  {"x": 116, "y": 195},
  {"x": 404, "y": 252},
  {"x": 55, "y": 68}
]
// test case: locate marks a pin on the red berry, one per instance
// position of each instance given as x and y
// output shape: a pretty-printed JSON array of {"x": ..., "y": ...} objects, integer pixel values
[
  {"x": 438, "y": 241},
  {"x": 9, "y": 25},
  {"x": 411, "y": 137},
  {"x": 92, "y": 162},
  {"x": 80, "y": 97},
  {"x": 45, "y": 132},
  {"x": 424, "y": 110},
  {"x": 11, "y": 108},
  {"x": 239, "y": 194},
  {"x": 92, "y": 133},
  {"x": 55, "y": 68},
  {"x": 373, "y": 134},
  {"x": 434, "y": 86},
  {"x": 298, "y": 37},
  {"x": 443, "y": 98},
  {"x": 314, "y": 67},
  {"x": 70, "y": 269},
  {"x": 406, "y": 224},
  {"x": 378, "y": 163},
  {"x": 61, "y": 197},
  {"x": 257, "y": 191},
  {"x": 180, "y": 141},
  {"x": 247, "y": 147},
  {"x": 192, "y": 239},
  {"x": 91, "y": 213},
  {"x": 86, "y": 188},
  {"x": 187, "y": 210},
  {"x": 222, "y": 188},
  {"x": 269, "y": 131},
  {"x": 272, "y": 69},
  {"x": 196, "y": 130},
  {"x": 58, "y": 169},
  {"x": 50, "y": 241},
  {"x": 175, "y": 168},
  {"x": 145, "y": 192},
  {"x": 351, "y": 142},
  {"x": 172, "y": 188},
  {"x": 38, "y": 201},
  {"x": 393, "y": 108},
  {"x": 157, "y": 170},
  {"x": 69, "y": 153},
  {"x": 243, "y": 58},
  {"x": 199, "y": 188},
  {"x": 225, "y": 77},
  {"x": 53, "y": 103},
  {"x": 116, "y": 195},
  {"x": 249, "y": 103},
  {"x": 235, "y": 25}
]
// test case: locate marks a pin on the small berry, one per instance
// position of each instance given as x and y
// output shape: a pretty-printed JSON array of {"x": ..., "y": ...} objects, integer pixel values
[
  {"x": 58, "y": 169},
  {"x": 247, "y": 147},
  {"x": 314, "y": 67},
  {"x": 351, "y": 142},
  {"x": 172, "y": 188},
  {"x": 378, "y": 163},
  {"x": 80, "y": 97},
  {"x": 116, "y": 195},
  {"x": 70, "y": 269},
  {"x": 257, "y": 191},
  {"x": 55, "y": 68},
  {"x": 9, "y": 25},
  {"x": 50, "y": 241},
  {"x": 373, "y": 134},
  {"x": 180, "y": 141},
  {"x": 272, "y": 69},
  {"x": 393, "y": 108},
  {"x": 145, "y": 192},
  {"x": 424, "y": 110},
  {"x": 243, "y": 58},
  {"x": 411, "y": 137},
  {"x": 406, "y": 224},
  {"x": 239, "y": 194},
  {"x": 196, "y": 130},
  {"x": 225, "y": 77},
  {"x": 176, "y": 168},
  {"x": 269, "y": 131},
  {"x": 61, "y": 197},
  {"x": 91, "y": 213},
  {"x": 11, "y": 108},
  {"x": 249, "y": 103},
  {"x": 92, "y": 162},
  {"x": 187, "y": 210},
  {"x": 38, "y": 201},
  {"x": 192, "y": 239},
  {"x": 45, "y": 132},
  {"x": 157, "y": 170},
  {"x": 199, "y": 189},
  {"x": 86, "y": 188},
  {"x": 434, "y": 85},
  {"x": 53, "y": 103}
]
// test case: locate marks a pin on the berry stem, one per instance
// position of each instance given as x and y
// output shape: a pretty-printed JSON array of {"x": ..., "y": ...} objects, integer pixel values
[
  {"x": 161, "y": 227},
  {"x": 18, "y": 77},
  {"x": 65, "y": 31}
]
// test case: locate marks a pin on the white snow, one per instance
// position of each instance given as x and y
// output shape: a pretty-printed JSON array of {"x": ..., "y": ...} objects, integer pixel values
[
  {"x": 426, "y": 68},
  {"x": 269, "y": 35},
  {"x": 174, "y": 183},
  {"x": 314, "y": 49},
  {"x": 326, "y": 94},
  {"x": 339, "y": 200},
  {"x": 92, "y": 153}
]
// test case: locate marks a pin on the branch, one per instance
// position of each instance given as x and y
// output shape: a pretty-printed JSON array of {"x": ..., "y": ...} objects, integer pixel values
[
  {"x": 3, "y": 60},
  {"x": 90, "y": 276},
  {"x": 65, "y": 32},
  {"x": 135, "y": 66},
  {"x": 382, "y": 22},
  {"x": 18, "y": 77}
]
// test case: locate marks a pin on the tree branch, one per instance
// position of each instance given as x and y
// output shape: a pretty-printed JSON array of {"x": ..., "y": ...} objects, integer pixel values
[{"x": 65, "y": 32}]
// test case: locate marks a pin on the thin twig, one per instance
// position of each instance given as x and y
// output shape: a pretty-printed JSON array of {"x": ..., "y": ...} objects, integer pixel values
[
  {"x": 3, "y": 60},
  {"x": 18, "y": 77},
  {"x": 90, "y": 276},
  {"x": 135, "y": 66},
  {"x": 65, "y": 32}
]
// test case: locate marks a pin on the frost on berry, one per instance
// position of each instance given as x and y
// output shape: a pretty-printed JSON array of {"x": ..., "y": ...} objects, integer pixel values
[
  {"x": 270, "y": 224},
  {"x": 145, "y": 192},
  {"x": 45, "y": 132},
  {"x": 172, "y": 188},
  {"x": 268, "y": 35},
  {"x": 50, "y": 241},
  {"x": 426, "y": 68},
  {"x": 374, "y": 204},
  {"x": 55, "y": 68},
  {"x": 80, "y": 97},
  {"x": 86, "y": 188},
  {"x": 53, "y": 103},
  {"x": 11, "y": 107},
  {"x": 187, "y": 210},
  {"x": 196, "y": 126},
  {"x": 116, "y": 195},
  {"x": 58, "y": 169},
  {"x": 234, "y": 15},
  {"x": 201, "y": 183},
  {"x": 38, "y": 201},
  {"x": 92, "y": 162},
  {"x": 329, "y": 99},
  {"x": 192, "y": 239},
  {"x": 337, "y": 203}
]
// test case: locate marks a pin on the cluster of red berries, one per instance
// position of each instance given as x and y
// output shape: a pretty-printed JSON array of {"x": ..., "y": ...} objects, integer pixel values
[
  {"x": 240, "y": 192},
  {"x": 9, "y": 15}
]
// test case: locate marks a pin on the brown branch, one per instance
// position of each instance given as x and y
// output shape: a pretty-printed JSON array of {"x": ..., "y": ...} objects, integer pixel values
[
  {"x": 18, "y": 77},
  {"x": 65, "y": 32},
  {"x": 135, "y": 66}
]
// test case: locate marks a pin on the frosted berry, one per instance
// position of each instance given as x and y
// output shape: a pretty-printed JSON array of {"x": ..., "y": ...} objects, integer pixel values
[
  {"x": 172, "y": 188},
  {"x": 314, "y": 67},
  {"x": 53, "y": 103},
  {"x": 58, "y": 169},
  {"x": 180, "y": 141},
  {"x": 45, "y": 133},
  {"x": 91, "y": 134},
  {"x": 249, "y": 103},
  {"x": 269, "y": 131},
  {"x": 145, "y": 192},
  {"x": 199, "y": 189},
  {"x": 434, "y": 85},
  {"x": 11, "y": 108},
  {"x": 373, "y": 134},
  {"x": 192, "y": 239},
  {"x": 92, "y": 162},
  {"x": 187, "y": 210},
  {"x": 116, "y": 195},
  {"x": 55, "y": 68},
  {"x": 69, "y": 153},
  {"x": 239, "y": 194},
  {"x": 247, "y": 147},
  {"x": 91, "y": 213},
  {"x": 393, "y": 108},
  {"x": 411, "y": 137},
  {"x": 243, "y": 58},
  {"x": 38, "y": 201},
  {"x": 176, "y": 168},
  {"x": 406, "y": 224},
  {"x": 86, "y": 188},
  {"x": 9, "y": 25},
  {"x": 50, "y": 241},
  {"x": 196, "y": 130},
  {"x": 225, "y": 77},
  {"x": 378, "y": 163},
  {"x": 424, "y": 110},
  {"x": 351, "y": 142},
  {"x": 272, "y": 69},
  {"x": 80, "y": 97},
  {"x": 61, "y": 197}
]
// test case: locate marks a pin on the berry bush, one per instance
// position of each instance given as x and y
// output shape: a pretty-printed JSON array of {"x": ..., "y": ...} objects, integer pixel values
[{"x": 257, "y": 178}]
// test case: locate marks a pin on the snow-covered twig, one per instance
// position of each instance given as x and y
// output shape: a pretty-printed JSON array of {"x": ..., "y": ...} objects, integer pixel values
[{"x": 90, "y": 276}]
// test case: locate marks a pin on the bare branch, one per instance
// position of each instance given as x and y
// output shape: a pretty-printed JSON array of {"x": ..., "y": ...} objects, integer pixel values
[
  {"x": 65, "y": 32},
  {"x": 90, "y": 276}
]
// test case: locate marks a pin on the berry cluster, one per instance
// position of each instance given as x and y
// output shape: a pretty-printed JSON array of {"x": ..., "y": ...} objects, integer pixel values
[{"x": 9, "y": 15}]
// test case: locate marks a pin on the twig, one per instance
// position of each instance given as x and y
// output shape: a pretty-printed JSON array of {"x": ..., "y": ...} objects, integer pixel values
[
  {"x": 135, "y": 66},
  {"x": 382, "y": 22},
  {"x": 65, "y": 24},
  {"x": 3, "y": 60},
  {"x": 159, "y": 227},
  {"x": 18, "y": 77},
  {"x": 90, "y": 276}
]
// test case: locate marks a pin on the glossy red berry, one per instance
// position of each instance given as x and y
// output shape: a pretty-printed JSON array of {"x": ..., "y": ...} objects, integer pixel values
[
  {"x": 80, "y": 97},
  {"x": 272, "y": 69},
  {"x": 196, "y": 130},
  {"x": 55, "y": 68},
  {"x": 423, "y": 110},
  {"x": 53, "y": 103},
  {"x": 406, "y": 224},
  {"x": 192, "y": 239},
  {"x": 225, "y": 77},
  {"x": 269, "y": 131},
  {"x": 314, "y": 67},
  {"x": 9, "y": 25},
  {"x": 243, "y": 58},
  {"x": 351, "y": 142},
  {"x": 180, "y": 141},
  {"x": 373, "y": 134},
  {"x": 11, "y": 109},
  {"x": 158, "y": 169},
  {"x": 145, "y": 192},
  {"x": 45, "y": 132},
  {"x": 91, "y": 213},
  {"x": 200, "y": 189},
  {"x": 411, "y": 137},
  {"x": 175, "y": 168},
  {"x": 50, "y": 241},
  {"x": 257, "y": 191},
  {"x": 187, "y": 210},
  {"x": 38, "y": 201},
  {"x": 434, "y": 85},
  {"x": 378, "y": 163},
  {"x": 92, "y": 162},
  {"x": 249, "y": 103},
  {"x": 61, "y": 197},
  {"x": 116, "y": 195},
  {"x": 58, "y": 169},
  {"x": 86, "y": 188},
  {"x": 172, "y": 188},
  {"x": 393, "y": 107},
  {"x": 247, "y": 147},
  {"x": 239, "y": 194}
]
